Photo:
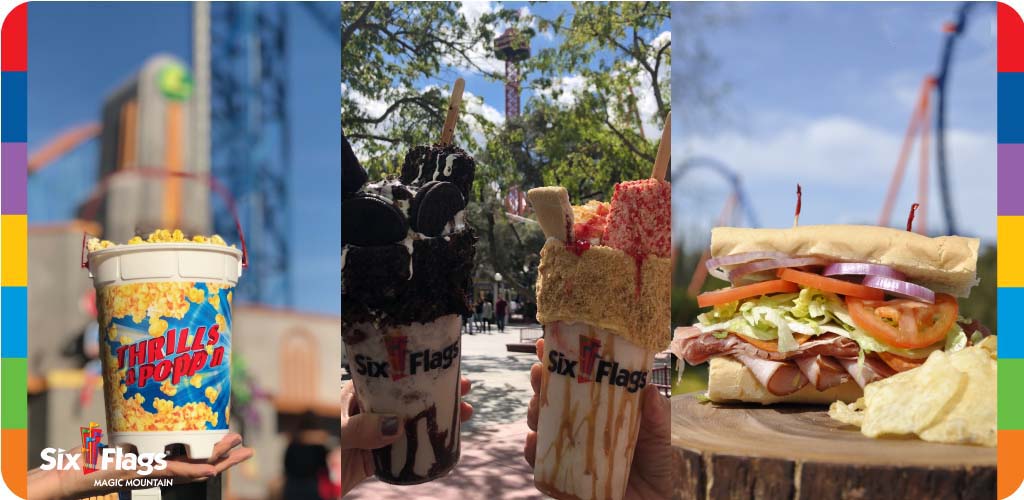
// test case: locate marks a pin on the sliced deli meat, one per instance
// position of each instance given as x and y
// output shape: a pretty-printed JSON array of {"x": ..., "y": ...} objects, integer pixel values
[
  {"x": 870, "y": 370},
  {"x": 779, "y": 377},
  {"x": 695, "y": 347},
  {"x": 823, "y": 372}
]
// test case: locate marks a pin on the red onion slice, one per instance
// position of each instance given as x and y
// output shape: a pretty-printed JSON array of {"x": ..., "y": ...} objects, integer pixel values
[
  {"x": 862, "y": 269},
  {"x": 900, "y": 288},
  {"x": 715, "y": 265},
  {"x": 765, "y": 265}
]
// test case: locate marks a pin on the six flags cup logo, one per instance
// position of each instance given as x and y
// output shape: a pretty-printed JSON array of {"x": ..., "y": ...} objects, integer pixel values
[
  {"x": 91, "y": 446},
  {"x": 97, "y": 456},
  {"x": 591, "y": 367},
  {"x": 402, "y": 363}
]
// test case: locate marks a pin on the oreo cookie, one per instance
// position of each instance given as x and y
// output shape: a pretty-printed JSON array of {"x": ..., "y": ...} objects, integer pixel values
[
  {"x": 370, "y": 220},
  {"x": 434, "y": 206},
  {"x": 415, "y": 163},
  {"x": 439, "y": 163},
  {"x": 353, "y": 175}
]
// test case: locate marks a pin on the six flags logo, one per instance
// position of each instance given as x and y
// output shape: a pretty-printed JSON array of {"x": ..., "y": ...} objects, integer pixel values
[
  {"x": 96, "y": 456},
  {"x": 402, "y": 363},
  {"x": 592, "y": 368}
]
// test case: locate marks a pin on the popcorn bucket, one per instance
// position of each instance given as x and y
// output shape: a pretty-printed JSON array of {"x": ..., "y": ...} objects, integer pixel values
[{"x": 164, "y": 312}]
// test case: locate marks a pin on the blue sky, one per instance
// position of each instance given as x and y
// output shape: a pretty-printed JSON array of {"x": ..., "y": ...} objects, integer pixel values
[
  {"x": 821, "y": 94},
  {"x": 79, "y": 52}
]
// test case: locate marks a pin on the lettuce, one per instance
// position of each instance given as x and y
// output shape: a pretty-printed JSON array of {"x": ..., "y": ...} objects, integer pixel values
[
  {"x": 956, "y": 339},
  {"x": 810, "y": 312}
]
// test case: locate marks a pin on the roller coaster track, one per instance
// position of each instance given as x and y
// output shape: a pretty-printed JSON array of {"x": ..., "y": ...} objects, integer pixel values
[{"x": 61, "y": 145}]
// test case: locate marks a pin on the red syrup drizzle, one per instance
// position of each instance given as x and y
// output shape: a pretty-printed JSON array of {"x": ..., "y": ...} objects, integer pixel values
[
  {"x": 578, "y": 247},
  {"x": 638, "y": 260}
]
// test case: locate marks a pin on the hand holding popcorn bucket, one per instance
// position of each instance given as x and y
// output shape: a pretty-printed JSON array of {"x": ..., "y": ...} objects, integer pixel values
[{"x": 164, "y": 305}]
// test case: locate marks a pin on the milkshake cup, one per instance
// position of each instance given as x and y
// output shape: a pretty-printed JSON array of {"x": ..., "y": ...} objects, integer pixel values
[
  {"x": 406, "y": 264},
  {"x": 411, "y": 371},
  {"x": 590, "y": 410},
  {"x": 603, "y": 290},
  {"x": 165, "y": 342}
]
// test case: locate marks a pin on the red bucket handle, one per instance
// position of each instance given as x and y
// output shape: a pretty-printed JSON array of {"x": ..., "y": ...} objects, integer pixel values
[{"x": 214, "y": 184}]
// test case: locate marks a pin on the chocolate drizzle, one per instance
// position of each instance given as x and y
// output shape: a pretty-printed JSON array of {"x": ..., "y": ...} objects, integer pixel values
[{"x": 445, "y": 445}]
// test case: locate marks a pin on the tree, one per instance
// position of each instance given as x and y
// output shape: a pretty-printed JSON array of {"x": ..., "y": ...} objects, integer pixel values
[
  {"x": 582, "y": 128},
  {"x": 398, "y": 61}
]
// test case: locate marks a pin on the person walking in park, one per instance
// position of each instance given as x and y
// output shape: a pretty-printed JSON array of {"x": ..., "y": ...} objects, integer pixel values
[
  {"x": 501, "y": 313},
  {"x": 488, "y": 313},
  {"x": 478, "y": 315}
]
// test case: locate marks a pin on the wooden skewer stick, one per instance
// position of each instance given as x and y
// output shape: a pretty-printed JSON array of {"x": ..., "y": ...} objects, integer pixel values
[
  {"x": 799, "y": 199},
  {"x": 454, "y": 103},
  {"x": 664, "y": 152}
]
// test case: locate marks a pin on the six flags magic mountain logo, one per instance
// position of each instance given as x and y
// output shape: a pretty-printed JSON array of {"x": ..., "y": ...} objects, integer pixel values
[{"x": 96, "y": 456}]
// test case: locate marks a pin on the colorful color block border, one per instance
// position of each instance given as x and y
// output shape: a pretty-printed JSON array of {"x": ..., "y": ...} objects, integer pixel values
[
  {"x": 14, "y": 231},
  {"x": 1010, "y": 237},
  {"x": 14, "y": 226}
]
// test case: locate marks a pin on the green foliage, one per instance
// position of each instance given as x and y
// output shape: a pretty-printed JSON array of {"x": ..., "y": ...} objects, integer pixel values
[
  {"x": 593, "y": 138},
  {"x": 981, "y": 305},
  {"x": 586, "y": 143}
]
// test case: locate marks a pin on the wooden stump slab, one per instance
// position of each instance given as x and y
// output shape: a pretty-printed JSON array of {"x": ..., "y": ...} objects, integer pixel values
[{"x": 798, "y": 452}]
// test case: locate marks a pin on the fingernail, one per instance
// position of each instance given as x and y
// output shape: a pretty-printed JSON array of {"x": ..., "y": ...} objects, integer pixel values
[{"x": 389, "y": 425}]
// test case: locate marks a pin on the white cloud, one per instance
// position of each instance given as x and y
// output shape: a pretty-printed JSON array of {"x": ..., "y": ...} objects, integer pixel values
[
  {"x": 481, "y": 54},
  {"x": 568, "y": 88},
  {"x": 472, "y": 11},
  {"x": 662, "y": 38},
  {"x": 850, "y": 164}
]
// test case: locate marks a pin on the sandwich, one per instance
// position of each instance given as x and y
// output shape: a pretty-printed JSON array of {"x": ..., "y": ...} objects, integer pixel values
[{"x": 815, "y": 313}]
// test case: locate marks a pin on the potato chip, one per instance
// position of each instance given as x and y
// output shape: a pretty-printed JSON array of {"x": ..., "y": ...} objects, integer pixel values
[
  {"x": 972, "y": 420},
  {"x": 911, "y": 401},
  {"x": 951, "y": 398},
  {"x": 989, "y": 344},
  {"x": 850, "y": 414}
]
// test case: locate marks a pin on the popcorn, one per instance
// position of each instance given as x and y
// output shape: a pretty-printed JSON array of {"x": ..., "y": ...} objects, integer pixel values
[
  {"x": 229, "y": 297},
  {"x": 221, "y": 322},
  {"x": 112, "y": 333},
  {"x": 211, "y": 394},
  {"x": 197, "y": 381},
  {"x": 94, "y": 244},
  {"x": 214, "y": 300},
  {"x": 196, "y": 295},
  {"x": 157, "y": 326},
  {"x": 158, "y": 236},
  {"x": 128, "y": 415},
  {"x": 168, "y": 388},
  {"x": 124, "y": 340}
]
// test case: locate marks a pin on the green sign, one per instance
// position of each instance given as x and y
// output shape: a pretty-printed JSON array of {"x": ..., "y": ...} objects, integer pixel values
[{"x": 175, "y": 82}]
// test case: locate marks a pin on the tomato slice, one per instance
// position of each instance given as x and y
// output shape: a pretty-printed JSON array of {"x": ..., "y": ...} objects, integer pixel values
[
  {"x": 833, "y": 285},
  {"x": 772, "y": 345},
  {"x": 905, "y": 323},
  {"x": 899, "y": 363},
  {"x": 733, "y": 294}
]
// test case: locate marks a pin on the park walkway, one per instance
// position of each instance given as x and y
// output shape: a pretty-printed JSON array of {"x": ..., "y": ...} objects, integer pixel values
[{"x": 492, "y": 464}]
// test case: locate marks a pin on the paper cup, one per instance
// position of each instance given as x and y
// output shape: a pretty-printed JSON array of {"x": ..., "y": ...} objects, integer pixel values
[
  {"x": 165, "y": 331},
  {"x": 589, "y": 411},
  {"x": 411, "y": 371}
]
